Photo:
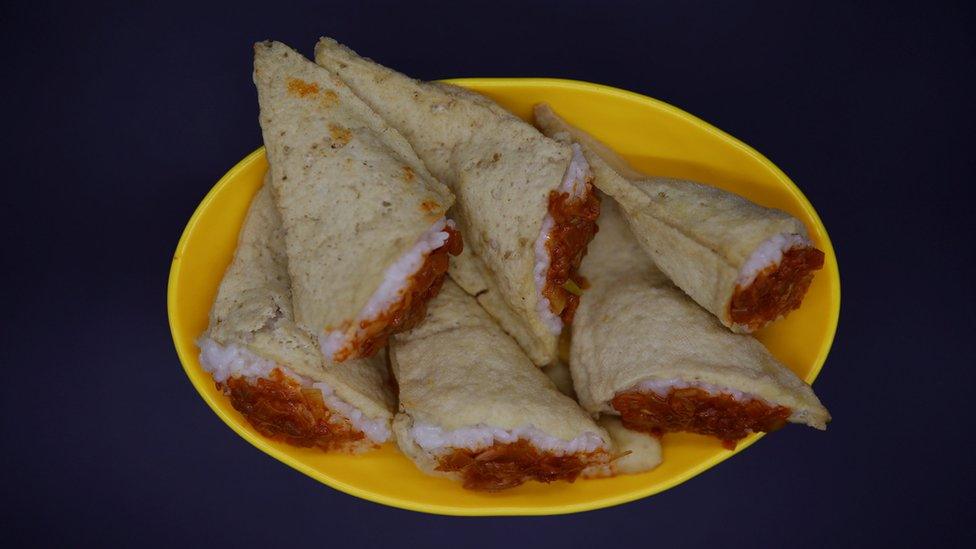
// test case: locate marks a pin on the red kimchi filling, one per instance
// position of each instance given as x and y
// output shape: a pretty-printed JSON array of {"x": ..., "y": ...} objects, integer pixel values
[
  {"x": 507, "y": 465},
  {"x": 776, "y": 290},
  {"x": 281, "y": 409},
  {"x": 697, "y": 411},
  {"x": 406, "y": 313},
  {"x": 574, "y": 225}
]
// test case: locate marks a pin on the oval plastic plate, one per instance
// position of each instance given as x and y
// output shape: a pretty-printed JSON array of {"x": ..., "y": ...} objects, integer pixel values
[{"x": 658, "y": 139}]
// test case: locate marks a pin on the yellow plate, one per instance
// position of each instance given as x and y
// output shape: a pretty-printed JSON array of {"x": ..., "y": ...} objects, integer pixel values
[{"x": 658, "y": 139}]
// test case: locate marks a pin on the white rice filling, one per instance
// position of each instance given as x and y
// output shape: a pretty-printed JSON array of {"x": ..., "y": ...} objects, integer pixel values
[
  {"x": 435, "y": 440},
  {"x": 769, "y": 253},
  {"x": 574, "y": 183},
  {"x": 663, "y": 386},
  {"x": 226, "y": 361},
  {"x": 396, "y": 280}
]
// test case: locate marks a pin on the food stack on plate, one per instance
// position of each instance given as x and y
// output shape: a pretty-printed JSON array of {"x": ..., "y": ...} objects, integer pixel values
[{"x": 417, "y": 254}]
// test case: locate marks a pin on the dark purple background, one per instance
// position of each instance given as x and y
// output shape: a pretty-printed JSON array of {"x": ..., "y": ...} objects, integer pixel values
[{"x": 117, "y": 120}]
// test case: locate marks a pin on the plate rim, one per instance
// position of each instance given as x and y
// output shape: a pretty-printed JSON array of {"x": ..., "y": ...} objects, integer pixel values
[{"x": 502, "y": 510}]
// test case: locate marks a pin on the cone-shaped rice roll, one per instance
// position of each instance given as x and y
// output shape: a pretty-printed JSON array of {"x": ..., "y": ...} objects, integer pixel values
[
  {"x": 474, "y": 408},
  {"x": 365, "y": 230},
  {"x": 643, "y": 350},
  {"x": 747, "y": 264},
  {"x": 271, "y": 369},
  {"x": 524, "y": 202}
]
